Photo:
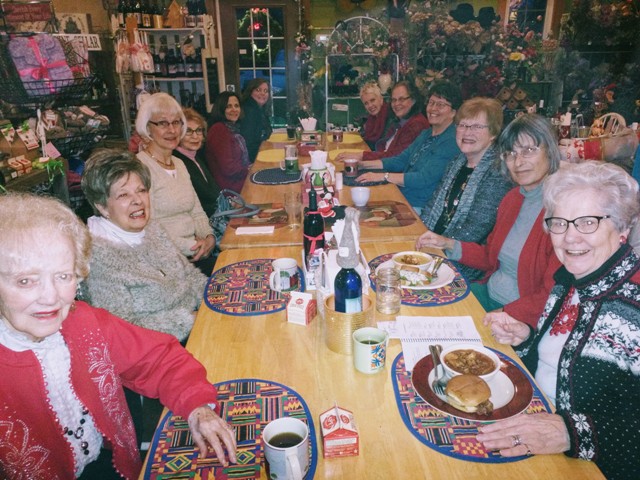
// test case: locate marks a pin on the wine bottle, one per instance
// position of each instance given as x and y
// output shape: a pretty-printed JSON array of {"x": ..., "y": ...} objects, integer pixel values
[
  {"x": 201, "y": 11},
  {"x": 180, "y": 67},
  {"x": 198, "y": 63},
  {"x": 122, "y": 13},
  {"x": 137, "y": 12},
  {"x": 172, "y": 65},
  {"x": 145, "y": 10},
  {"x": 313, "y": 229},
  {"x": 541, "y": 109},
  {"x": 348, "y": 283}
]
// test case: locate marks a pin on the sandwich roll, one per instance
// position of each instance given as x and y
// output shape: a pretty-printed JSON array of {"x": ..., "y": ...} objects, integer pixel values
[{"x": 469, "y": 393}]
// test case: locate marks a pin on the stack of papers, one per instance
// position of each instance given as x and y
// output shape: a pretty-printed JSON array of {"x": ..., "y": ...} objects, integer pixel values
[{"x": 417, "y": 333}]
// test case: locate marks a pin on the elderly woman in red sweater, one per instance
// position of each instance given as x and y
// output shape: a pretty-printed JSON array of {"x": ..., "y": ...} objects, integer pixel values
[
  {"x": 226, "y": 150},
  {"x": 379, "y": 115},
  {"x": 407, "y": 106},
  {"x": 518, "y": 257}
]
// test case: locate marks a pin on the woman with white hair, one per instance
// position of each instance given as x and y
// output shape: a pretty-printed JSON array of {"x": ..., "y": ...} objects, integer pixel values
[
  {"x": 378, "y": 119},
  {"x": 174, "y": 203},
  {"x": 584, "y": 351}
]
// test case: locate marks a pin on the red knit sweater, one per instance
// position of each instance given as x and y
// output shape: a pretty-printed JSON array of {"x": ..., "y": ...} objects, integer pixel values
[
  {"x": 106, "y": 353},
  {"x": 536, "y": 265},
  {"x": 404, "y": 137}
]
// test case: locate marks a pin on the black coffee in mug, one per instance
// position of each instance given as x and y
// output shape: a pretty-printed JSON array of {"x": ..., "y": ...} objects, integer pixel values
[
  {"x": 285, "y": 440},
  {"x": 368, "y": 341}
]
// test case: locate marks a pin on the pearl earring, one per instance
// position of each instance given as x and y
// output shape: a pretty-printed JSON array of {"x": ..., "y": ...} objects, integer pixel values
[{"x": 623, "y": 239}]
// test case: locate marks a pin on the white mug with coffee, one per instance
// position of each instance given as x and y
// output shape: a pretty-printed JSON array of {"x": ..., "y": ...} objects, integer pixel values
[
  {"x": 286, "y": 448},
  {"x": 285, "y": 276},
  {"x": 369, "y": 349}
]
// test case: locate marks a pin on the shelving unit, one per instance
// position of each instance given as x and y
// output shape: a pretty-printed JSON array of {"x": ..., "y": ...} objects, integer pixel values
[
  {"x": 351, "y": 47},
  {"x": 187, "y": 89}
]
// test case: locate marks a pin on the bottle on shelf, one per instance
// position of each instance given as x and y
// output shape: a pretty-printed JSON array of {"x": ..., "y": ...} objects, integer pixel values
[
  {"x": 137, "y": 12},
  {"x": 348, "y": 283},
  {"x": 541, "y": 110},
  {"x": 157, "y": 63},
  {"x": 123, "y": 7},
  {"x": 180, "y": 66},
  {"x": 190, "y": 17},
  {"x": 201, "y": 11},
  {"x": 145, "y": 10},
  {"x": 156, "y": 14},
  {"x": 313, "y": 228},
  {"x": 190, "y": 65},
  {"x": 198, "y": 63},
  {"x": 172, "y": 65}
]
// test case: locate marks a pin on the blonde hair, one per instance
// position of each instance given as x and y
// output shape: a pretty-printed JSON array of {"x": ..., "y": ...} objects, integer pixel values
[
  {"x": 25, "y": 216},
  {"x": 371, "y": 87}
]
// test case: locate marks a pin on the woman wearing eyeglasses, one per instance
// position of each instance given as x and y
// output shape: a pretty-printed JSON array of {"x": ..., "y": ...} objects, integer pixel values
[
  {"x": 417, "y": 170},
  {"x": 174, "y": 203},
  {"x": 584, "y": 350},
  {"x": 255, "y": 126},
  {"x": 191, "y": 153},
  {"x": 409, "y": 122},
  {"x": 517, "y": 258},
  {"x": 226, "y": 150},
  {"x": 465, "y": 204}
]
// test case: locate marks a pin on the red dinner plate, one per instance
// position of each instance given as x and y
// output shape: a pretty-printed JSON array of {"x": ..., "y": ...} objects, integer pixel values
[{"x": 511, "y": 391}]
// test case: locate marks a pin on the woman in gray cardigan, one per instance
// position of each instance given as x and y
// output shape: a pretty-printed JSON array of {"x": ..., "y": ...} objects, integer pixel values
[
  {"x": 137, "y": 272},
  {"x": 465, "y": 203}
]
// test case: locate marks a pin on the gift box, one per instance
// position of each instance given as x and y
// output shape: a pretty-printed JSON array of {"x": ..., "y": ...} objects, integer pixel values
[
  {"x": 339, "y": 433},
  {"x": 301, "y": 308}
]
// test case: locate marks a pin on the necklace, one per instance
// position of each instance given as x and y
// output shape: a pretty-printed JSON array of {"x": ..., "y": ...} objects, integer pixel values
[
  {"x": 169, "y": 165},
  {"x": 455, "y": 192},
  {"x": 78, "y": 433}
]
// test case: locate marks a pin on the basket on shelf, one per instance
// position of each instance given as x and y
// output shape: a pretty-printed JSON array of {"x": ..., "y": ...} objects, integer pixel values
[
  {"x": 39, "y": 93},
  {"x": 77, "y": 143}
]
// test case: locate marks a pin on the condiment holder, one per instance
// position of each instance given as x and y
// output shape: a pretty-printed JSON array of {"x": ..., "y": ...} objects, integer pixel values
[{"x": 339, "y": 327}]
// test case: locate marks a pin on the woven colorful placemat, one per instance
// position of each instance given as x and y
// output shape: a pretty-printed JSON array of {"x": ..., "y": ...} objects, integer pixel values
[
  {"x": 243, "y": 289},
  {"x": 452, "y": 436},
  {"x": 351, "y": 181},
  {"x": 454, "y": 292},
  {"x": 247, "y": 404},
  {"x": 275, "y": 176},
  {"x": 268, "y": 214}
]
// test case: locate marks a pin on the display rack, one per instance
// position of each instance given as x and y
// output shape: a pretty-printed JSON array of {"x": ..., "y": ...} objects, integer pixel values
[{"x": 354, "y": 54}]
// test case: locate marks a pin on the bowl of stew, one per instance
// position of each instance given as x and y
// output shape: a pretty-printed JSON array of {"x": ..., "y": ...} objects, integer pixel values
[
  {"x": 417, "y": 261},
  {"x": 470, "y": 359}
]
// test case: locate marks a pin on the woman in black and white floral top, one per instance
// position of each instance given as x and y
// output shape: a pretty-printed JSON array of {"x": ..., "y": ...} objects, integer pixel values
[{"x": 585, "y": 351}]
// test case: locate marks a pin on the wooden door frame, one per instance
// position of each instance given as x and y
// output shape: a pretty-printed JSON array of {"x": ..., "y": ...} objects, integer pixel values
[{"x": 230, "y": 48}]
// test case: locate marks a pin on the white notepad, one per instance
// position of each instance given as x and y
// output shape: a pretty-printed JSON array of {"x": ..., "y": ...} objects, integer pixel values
[{"x": 263, "y": 230}]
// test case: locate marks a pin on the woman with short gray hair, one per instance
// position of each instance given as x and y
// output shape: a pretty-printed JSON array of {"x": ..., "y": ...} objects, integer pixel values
[
  {"x": 583, "y": 351},
  {"x": 378, "y": 119}
]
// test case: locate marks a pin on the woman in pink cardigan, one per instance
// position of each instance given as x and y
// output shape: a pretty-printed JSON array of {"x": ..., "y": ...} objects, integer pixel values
[{"x": 518, "y": 257}]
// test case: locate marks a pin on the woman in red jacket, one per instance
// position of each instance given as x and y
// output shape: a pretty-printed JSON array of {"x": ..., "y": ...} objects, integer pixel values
[
  {"x": 408, "y": 108},
  {"x": 226, "y": 150},
  {"x": 64, "y": 363},
  {"x": 518, "y": 257}
]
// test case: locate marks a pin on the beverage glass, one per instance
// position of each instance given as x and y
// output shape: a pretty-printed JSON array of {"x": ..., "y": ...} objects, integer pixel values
[
  {"x": 293, "y": 207},
  {"x": 369, "y": 349},
  {"x": 286, "y": 448},
  {"x": 388, "y": 291},
  {"x": 290, "y": 162},
  {"x": 291, "y": 132}
]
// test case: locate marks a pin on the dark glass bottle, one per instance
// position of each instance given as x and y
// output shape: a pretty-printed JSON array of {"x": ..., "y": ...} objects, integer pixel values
[
  {"x": 313, "y": 229},
  {"x": 198, "y": 63},
  {"x": 122, "y": 12},
  {"x": 180, "y": 67},
  {"x": 172, "y": 64},
  {"x": 348, "y": 291},
  {"x": 145, "y": 11}
]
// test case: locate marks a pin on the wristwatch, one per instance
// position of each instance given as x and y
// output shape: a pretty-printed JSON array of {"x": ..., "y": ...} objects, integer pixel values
[{"x": 386, "y": 176}]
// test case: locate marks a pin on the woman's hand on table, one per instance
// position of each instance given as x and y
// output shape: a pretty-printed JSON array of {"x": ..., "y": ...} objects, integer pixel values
[
  {"x": 203, "y": 247},
  {"x": 506, "y": 329},
  {"x": 207, "y": 428},
  {"x": 538, "y": 433},
  {"x": 430, "y": 239},
  {"x": 344, "y": 155},
  {"x": 371, "y": 177}
]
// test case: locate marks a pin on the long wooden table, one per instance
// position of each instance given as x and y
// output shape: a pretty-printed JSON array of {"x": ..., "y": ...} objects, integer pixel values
[
  {"x": 267, "y": 347},
  {"x": 283, "y": 236}
]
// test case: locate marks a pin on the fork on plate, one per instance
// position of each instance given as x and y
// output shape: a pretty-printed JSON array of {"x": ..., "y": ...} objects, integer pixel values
[{"x": 440, "y": 378}]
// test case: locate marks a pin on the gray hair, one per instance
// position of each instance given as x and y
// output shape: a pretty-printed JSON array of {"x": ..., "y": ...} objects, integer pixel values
[
  {"x": 371, "y": 87},
  {"x": 104, "y": 168},
  {"x": 24, "y": 216},
  {"x": 157, "y": 104},
  {"x": 540, "y": 130},
  {"x": 617, "y": 191}
]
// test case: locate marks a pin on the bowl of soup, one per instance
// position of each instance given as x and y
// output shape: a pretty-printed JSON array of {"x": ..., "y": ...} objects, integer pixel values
[
  {"x": 413, "y": 261},
  {"x": 470, "y": 359}
]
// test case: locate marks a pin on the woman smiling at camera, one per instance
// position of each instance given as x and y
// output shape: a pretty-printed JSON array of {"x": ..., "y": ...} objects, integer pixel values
[
  {"x": 226, "y": 150},
  {"x": 377, "y": 121},
  {"x": 174, "y": 203},
  {"x": 518, "y": 256},
  {"x": 409, "y": 122},
  {"x": 465, "y": 204},
  {"x": 255, "y": 126},
  {"x": 137, "y": 272},
  {"x": 64, "y": 363},
  {"x": 584, "y": 351}
]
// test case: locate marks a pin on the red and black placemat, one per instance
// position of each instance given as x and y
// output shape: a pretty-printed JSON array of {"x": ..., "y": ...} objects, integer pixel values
[
  {"x": 243, "y": 289},
  {"x": 447, "y": 434},
  {"x": 248, "y": 405}
]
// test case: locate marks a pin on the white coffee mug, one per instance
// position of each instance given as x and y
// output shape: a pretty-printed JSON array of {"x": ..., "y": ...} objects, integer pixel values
[
  {"x": 285, "y": 276},
  {"x": 286, "y": 448},
  {"x": 369, "y": 349}
]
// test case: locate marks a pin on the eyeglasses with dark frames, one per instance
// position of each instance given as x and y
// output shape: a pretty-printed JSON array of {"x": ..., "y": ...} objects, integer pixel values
[
  {"x": 400, "y": 99},
  {"x": 197, "y": 131},
  {"x": 476, "y": 127},
  {"x": 164, "y": 124},
  {"x": 586, "y": 224}
]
